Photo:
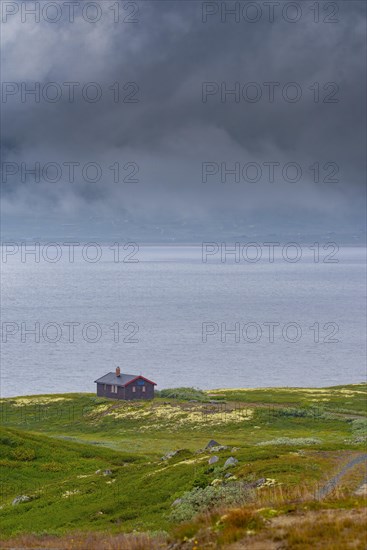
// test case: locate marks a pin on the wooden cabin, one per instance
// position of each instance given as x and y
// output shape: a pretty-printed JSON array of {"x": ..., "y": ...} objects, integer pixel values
[{"x": 116, "y": 385}]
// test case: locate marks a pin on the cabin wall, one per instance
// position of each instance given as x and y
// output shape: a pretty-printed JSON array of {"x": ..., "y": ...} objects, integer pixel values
[
  {"x": 101, "y": 392},
  {"x": 139, "y": 394},
  {"x": 127, "y": 393}
]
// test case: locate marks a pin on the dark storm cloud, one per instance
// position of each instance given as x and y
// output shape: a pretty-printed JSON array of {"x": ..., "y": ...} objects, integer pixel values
[{"x": 170, "y": 132}]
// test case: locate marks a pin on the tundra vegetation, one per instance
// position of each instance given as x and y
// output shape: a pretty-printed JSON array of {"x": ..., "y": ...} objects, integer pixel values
[{"x": 80, "y": 471}]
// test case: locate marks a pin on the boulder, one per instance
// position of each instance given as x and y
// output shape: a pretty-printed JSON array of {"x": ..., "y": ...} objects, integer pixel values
[
  {"x": 255, "y": 484},
  {"x": 21, "y": 498},
  {"x": 199, "y": 451},
  {"x": 176, "y": 502},
  {"x": 213, "y": 459},
  {"x": 169, "y": 455},
  {"x": 231, "y": 461},
  {"x": 218, "y": 448},
  {"x": 260, "y": 482},
  {"x": 212, "y": 443},
  {"x": 107, "y": 473}
]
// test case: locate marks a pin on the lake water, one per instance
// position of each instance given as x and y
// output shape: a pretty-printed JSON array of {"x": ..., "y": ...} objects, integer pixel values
[{"x": 173, "y": 310}]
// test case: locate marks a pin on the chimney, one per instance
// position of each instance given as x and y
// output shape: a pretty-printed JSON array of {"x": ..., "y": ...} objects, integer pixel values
[{"x": 118, "y": 371}]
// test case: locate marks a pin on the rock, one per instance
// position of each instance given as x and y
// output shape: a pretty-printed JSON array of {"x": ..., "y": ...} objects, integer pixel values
[
  {"x": 213, "y": 459},
  {"x": 98, "y": 472},
  {"x": 107, "y": 473},
  {"x": 169, "y": 455},
  {"x": 231, "y": 461},
  {"x": 234, "y": 449},
  {"x": 257, "y": 483},
  {"x": 199, "y": 451},
  {"x": 176, "y": 502},
  {"x": 21, "y": 498},
  {"x": 212, "y": 443},
  {"x": 227, "y": 475},
  {"x": 218, "y": 448}
]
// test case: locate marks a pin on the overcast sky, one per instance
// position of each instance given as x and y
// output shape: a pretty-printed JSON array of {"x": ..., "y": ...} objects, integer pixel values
[{"x": 168, "y": 130}]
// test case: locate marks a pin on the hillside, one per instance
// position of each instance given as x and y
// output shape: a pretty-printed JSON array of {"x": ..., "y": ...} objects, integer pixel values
[{"x": 74, "y": 465}]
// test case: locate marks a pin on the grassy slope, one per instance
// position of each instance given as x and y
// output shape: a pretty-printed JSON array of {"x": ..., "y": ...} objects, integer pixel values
[
  {"x": 347, "y": 398},
  {"x": 69, "y": 494},
  {"x": 51, "y": 447}
]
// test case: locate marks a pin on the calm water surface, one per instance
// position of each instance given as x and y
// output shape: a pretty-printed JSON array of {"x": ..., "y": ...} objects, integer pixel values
[{"x": 147, "y": 317}]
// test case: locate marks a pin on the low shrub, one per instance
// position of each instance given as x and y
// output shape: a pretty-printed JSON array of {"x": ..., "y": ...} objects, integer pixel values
[
  {"x": 238, "y": 522},
  {"x": 359, "y": 426},
  {"x": 52, "y": 467},
  {"x": 298, "y": 412},
  {"x": 200, "y": 500},
  {"x": 23, "y": 454},
  {"x": 187, "y": 394},
  {"x": 219, "y": 528},
  {"x": 241, "y": 517},
  {"x": 295, "y": 441},
  {"x": 5, "y": 440},
  {"x": 5, "y": 463}
]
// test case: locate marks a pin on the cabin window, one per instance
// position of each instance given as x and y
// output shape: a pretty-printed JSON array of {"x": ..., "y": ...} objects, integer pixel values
[
  {"x": 134, "y": 389},
  {"x": 104, "y": 387},
  {"x": 143, "y": 388},
  {"x": 113, "y": 389}
]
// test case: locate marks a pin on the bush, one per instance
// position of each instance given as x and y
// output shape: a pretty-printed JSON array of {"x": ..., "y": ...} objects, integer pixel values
[
  {"x": 88, "y": 453},
  {"x": 201, "y": 480},
  {"x": 186, "y": 394},
  {"x": 24, "y": 454},
  {"x": 296, "y": 441},
  {"x": 5, "y": 440},
  {"x": 296, "y": 412},
  {"x": 236, "y": 523},
  {"x": 200, "y": 500},
  {"x": 242, "y": 517},
  {"x": 5, "y": 463},
  {"x": 359, "y": 426},
  {"x": 52, "y": 467}
]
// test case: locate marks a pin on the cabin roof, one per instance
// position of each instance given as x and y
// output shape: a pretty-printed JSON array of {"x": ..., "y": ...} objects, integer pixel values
[{"x": 122, "y": 380}]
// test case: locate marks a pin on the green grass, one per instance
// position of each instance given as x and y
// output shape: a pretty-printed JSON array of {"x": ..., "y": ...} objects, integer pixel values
[
  {"x": 102, "y": 422},
  {"x": 351, "y": 397},
  {"x": 51, "y": 447},
  {"x": 186, "y": 394},
  {"x": 67, "y": 493}
]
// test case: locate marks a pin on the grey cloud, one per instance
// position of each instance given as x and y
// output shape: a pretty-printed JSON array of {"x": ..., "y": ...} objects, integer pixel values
[{"x": 170, "y": 131}]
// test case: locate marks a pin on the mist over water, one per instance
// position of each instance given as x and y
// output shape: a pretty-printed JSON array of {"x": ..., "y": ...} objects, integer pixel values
[{"x": 176, "y": 319}]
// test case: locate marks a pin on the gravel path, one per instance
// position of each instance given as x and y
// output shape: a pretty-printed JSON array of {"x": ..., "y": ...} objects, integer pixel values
[{"x": 333, "y": 482}]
